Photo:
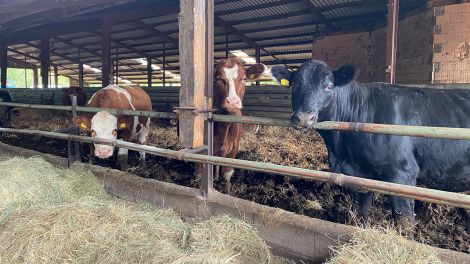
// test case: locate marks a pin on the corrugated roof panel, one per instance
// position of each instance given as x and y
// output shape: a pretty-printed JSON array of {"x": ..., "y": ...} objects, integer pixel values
[
  {"x": 234, "y": 4},
  {"x": 282, "y": 10},
  {"x": 281, "y": 21}
]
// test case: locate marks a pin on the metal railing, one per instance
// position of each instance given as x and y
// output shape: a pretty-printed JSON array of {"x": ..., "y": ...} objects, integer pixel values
[{"x": 418, "y": 193}]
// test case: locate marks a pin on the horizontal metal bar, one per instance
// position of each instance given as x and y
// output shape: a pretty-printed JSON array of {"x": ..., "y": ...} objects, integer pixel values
[
  {"x": 412, "y": 192},
  {"x": 398, "y": 130},
  {"x": 165, "y": 115}
]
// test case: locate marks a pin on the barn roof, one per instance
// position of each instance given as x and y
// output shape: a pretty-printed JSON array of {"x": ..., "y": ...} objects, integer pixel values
[{"x": 283, "y": 29}]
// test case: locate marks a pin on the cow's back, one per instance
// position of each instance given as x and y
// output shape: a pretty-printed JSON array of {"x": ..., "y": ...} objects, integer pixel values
[{"x": 127, "y": 98}]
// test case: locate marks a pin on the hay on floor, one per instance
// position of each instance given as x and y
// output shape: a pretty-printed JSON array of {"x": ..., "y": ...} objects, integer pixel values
[
  {"x": 49, "y": 215},
  {"x": 383, "y": 246}
]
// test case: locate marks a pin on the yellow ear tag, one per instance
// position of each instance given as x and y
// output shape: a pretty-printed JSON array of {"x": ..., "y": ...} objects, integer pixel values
[
  {"x": 122, "y": 125},
  {"x": 83, "y": 125},
  {"x": 285, "y": 82}
]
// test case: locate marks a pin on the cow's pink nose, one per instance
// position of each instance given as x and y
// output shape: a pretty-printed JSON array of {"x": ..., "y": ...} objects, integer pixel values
[
  {"x": 103, "y": 153},
  {"x": 234, "y": 101}
]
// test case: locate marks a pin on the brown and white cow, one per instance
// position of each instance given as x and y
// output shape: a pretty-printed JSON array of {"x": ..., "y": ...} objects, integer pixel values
[
  {"x": 74, "y": 90},
  {"x": 107, "y": 126},
  {"x": 229, "y": 90}
]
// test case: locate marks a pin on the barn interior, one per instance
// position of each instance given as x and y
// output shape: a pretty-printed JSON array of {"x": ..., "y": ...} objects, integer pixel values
[
  {"x": 94, "y": 43},
  {"x": 99, "y": 42}
]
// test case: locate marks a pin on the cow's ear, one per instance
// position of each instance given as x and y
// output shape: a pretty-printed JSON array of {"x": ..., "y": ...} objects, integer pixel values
[
  {"x": 282, "y": 75},
  {"x": 345, "y": 75},
  {"x": 254, "y": 72},
  {"x": 125, "y": 122},
  {"x": 84, "y": 123}
]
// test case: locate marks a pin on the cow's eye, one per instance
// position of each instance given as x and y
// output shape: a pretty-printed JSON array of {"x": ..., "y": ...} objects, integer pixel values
[
  {"x": 93, "y": 133},
  {"x": 329, "y": 87},
  {"x": 115, "y": 132}
]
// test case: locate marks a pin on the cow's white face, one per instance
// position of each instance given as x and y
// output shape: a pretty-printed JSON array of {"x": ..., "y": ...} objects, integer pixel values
[
  {"x": 232, "y": 76},
  {"x": 104, "y": 125}
]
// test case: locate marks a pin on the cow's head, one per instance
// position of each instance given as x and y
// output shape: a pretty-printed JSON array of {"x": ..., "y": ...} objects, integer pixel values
[
  {"x": 313, "y": 87},
  {"x": 103, "y": 125},
  {"x": 229, "y": 85}
]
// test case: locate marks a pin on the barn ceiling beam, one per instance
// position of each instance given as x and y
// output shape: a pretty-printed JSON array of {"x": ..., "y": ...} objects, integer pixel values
[
  {"x": 132, "y": 49},
  {"x": 318, "y": 15},
  {"x": 94, "y": 53},
  {"x": 157, "y": 32},
  {"x": 240, "y": 35}
]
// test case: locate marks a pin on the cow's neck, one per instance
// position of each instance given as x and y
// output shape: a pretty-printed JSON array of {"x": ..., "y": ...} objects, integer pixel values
[{"x": 350, "y": 103}]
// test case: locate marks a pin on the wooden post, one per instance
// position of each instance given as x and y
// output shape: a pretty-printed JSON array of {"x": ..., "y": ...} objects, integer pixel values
[
  {"x": 164, "y": 64},
  {"x": 105, "y": 51},
  {"x": 258, "y": 58},
  {"x": 193, "y": 63},
  {"x": 3, "y": 62},
  {"x": 116, "y": 71},
  {"x": 35, "y": 77},
  {"x": 391, "y": 52},
  {"x": 45, "y": 59},
  {"x": 56, "y": 77},
  {"x": 207, "y": 179},
  {"x": 80, "y": 75},
  {"x": 226, "y": 43},
  {"x": 149, "y": 71}
]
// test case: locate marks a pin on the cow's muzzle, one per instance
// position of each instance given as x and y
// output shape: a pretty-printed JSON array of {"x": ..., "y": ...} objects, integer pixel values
[{"x": 303, "y": 120}]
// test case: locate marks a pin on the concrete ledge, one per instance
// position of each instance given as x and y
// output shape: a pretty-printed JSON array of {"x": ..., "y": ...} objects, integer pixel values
[{"x": 290, "y": 235}]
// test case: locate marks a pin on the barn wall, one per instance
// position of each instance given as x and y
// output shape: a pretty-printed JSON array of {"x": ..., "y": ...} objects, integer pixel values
[
  {"x": 338, "y": 50},
  {"x": 415, "y": 45},
  {"x": 451, "y": 62},
  {"x": 367, "y": 50}
]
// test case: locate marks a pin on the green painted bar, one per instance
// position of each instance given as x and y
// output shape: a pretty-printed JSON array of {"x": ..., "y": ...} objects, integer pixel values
[
  {"x": 412, "y": 192},
  {"x": 399, "y": 130}
]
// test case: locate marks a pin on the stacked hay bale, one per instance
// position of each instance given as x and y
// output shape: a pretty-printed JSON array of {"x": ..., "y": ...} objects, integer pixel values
[{"x": 49, "y": 215}]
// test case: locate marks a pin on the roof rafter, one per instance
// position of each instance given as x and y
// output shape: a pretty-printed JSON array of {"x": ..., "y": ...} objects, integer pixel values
[{"x": 318, "y": 14}]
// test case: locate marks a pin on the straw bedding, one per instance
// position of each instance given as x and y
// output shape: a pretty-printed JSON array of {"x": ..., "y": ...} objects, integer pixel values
[
  {"x": 383, "y": 246},
  {"x": 49, "y": 215}
]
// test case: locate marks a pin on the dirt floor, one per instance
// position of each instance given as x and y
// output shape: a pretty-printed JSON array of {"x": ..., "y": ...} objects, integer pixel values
[{"x": 282, "y": 146}]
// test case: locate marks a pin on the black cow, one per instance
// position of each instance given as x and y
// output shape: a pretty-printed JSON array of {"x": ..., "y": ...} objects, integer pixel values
[{"x": 321, "y": 93}]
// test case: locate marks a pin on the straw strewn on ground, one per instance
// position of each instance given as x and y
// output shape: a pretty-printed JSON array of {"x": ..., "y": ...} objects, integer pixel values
[
  {"x": 383, "y": 246},
  {"x": 49, "y": 215}
]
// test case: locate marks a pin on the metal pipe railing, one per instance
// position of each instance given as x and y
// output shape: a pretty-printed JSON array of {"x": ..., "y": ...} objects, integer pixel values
[
  {"x": 412, "y": 192},
  {"x": 165, "y": 115},
  {"x": 399, "y": 130}
]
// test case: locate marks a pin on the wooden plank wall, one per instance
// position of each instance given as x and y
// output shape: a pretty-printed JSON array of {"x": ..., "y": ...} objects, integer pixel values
[{"x": 263, "y": 101}]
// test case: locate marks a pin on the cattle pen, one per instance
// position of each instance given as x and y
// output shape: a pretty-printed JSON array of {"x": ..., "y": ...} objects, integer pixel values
[{"x": 107, "y": 49}]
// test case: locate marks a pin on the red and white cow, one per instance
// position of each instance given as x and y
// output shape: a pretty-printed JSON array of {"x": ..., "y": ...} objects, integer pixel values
[
  {"x": 108, "y": 126},
  {"x": 229, "y": 90}
]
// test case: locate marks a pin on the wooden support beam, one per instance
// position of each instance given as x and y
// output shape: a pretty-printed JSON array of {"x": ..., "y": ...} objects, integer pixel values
[
  {"x": 105, "y": 51},
  {"x": 56, "y": 76},
  {"x": 207, "y": 179},
  {"x": 45, "y": 60},
  {"x": 35, "y": 77},
  {"x": 193, "y": 61},
  {"x": 392, "y": 27},
  {"x": 80, "y": 75},
  {"x": 318, "y": 15},
  {"x": 164, "y": 64},
  {"x": 3, "y": 62},
  {"x": 149, "y": 71},
  {"x": 258, "y": 60}
]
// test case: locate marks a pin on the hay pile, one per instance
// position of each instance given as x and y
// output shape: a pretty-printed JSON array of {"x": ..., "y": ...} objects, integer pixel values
[
  {"x": 383, "y": 246},
  {"x": 49, "y": 215}
]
